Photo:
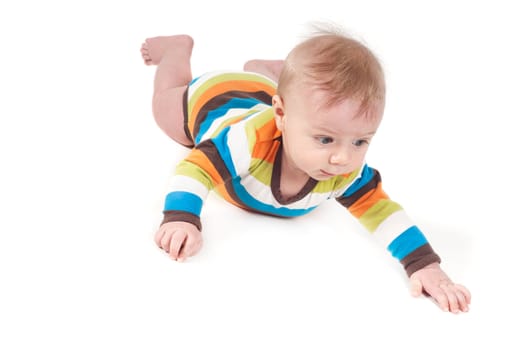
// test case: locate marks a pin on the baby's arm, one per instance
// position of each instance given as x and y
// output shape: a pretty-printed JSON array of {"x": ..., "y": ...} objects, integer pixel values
[
  {"x": 434, "y": 281},
  {"x": 393, "y": 228},
  {"x": 180, "y": 232},
  {"x": 179, "y": 239}
]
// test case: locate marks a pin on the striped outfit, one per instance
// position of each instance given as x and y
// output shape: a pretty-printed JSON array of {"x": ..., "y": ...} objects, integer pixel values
[{"x": 238, "y": 153}]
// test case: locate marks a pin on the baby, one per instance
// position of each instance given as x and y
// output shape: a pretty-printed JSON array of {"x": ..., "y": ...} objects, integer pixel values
[{"x": 281, "y": 137}]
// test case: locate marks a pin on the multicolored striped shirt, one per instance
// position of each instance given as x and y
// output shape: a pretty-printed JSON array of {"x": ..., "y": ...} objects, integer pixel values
[{"x": 238, "y": 153}]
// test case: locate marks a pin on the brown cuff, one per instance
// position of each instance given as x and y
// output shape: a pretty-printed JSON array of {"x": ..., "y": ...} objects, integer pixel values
[
  {"x": 419, "y": 258},
  {"x": 177, "y": 215}
]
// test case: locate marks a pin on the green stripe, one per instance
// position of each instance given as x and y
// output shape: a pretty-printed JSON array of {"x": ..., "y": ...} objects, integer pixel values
[
  {"x": 325, "y": 186},
  {"x": 223, "y": 78},
  {"x": 224, "y": 123},
  {"x": 264, "y": 171},
  {"x": 192, "y": 170},
  {"x": 372, "y": 218},
  {"x": 335, "y": 183}
]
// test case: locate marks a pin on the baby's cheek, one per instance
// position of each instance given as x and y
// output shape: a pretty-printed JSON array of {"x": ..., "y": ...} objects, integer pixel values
[{"x": 358, "y": 161}]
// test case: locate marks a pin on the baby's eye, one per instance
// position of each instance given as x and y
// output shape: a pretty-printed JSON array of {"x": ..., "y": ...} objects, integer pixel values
[
  {"x": 359, "y": 143},
  {"x": 325, "y": 140}
]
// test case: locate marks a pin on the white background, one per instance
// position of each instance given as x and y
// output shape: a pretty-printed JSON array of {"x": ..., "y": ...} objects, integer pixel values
[{"x": 84, "y": 170}]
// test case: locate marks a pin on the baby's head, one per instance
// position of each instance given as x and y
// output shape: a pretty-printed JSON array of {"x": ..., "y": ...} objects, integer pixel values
[
  {"x": 337, "y": 64},
  {"x": 329, "y": 103}
]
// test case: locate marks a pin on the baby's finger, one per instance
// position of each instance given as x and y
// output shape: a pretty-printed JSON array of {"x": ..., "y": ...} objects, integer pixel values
[
  {"x": 463, "y": 296},
  {"x": 462, "y": 302},
  {"x": 442, "y": 301},
  {"x": 166, "y": 241},
  {"x": 451, "y": 295},
  {"x": 439, "y": 296},
  {"x": 176, "y": 243},
  {"x": 190, "y": 247},
  {"x": 466, "y": 293},
  {"x": 159, "y": 236},
  {"x": 416, "y": 287}
]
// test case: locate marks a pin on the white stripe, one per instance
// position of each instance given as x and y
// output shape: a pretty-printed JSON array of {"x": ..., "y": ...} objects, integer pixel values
[
  {"x": 238, "y": 146},
  {"x": 215, "y": 126},
  {"x": 188, "y": 184},
  {"x": 264, "y": 194},
  {"x": 233, "y": 112},
  {"x": 201, "y": 80},
  {"x": 205, "y": 77},
  {"x": 392, "y": 227}
]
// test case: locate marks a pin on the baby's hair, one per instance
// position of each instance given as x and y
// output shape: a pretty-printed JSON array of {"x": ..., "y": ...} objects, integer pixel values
[{"x": 332, "y": 61}]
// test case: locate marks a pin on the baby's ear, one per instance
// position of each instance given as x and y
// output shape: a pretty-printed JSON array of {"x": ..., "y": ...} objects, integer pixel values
[{"x": 278, "y": 108}]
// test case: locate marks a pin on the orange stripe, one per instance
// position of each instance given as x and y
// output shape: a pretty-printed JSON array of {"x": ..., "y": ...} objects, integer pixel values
[
  {"x": 220, "y": 88},
  {"x": 198, "y": 157},
  {"x": 367, "y": 200},
  {"x": 261, "y": 150},
  {"x": 264, "y": 152},
  {"x": 234, "y": 120},
  {"x": 222, "y": 191}
]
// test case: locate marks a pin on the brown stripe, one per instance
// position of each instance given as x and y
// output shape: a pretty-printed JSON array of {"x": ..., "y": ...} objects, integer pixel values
[
  {"x": 222, "y": 99},
  {"x": 177, "y": 215},
  {"x": 420, "y": 258},
  {"x": 211, "y": 152},
  {"x": 185, "y": 115},
  {"x": 372, "y": 184}
]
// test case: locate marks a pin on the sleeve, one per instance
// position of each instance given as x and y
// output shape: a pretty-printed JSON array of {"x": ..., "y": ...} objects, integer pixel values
[
  {"x": 366, "y": 200},
  {"x": 194, "y": 178}
]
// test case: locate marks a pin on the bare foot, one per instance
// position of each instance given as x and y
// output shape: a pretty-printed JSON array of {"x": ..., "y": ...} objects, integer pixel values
[
  {"x": 153, "y": 49},
  {"x": 269, "y": 68}
]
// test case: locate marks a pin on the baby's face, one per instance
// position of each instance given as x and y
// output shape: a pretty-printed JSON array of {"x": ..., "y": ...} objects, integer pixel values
[{"x": 323, "y": 141}]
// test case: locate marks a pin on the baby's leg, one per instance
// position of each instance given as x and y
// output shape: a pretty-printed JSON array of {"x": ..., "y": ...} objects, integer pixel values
[
  {"x": 171, "y": 54},
  {"x": 269, "y": 68}
]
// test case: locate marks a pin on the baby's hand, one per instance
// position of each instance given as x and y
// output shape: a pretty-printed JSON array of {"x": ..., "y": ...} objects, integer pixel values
[
  {"x": 434, "y": 281},
  {"x": 179, "y": 239}
]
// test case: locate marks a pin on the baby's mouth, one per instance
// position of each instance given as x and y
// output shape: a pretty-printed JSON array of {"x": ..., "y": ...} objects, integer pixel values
[{"x": 326, "y": 173}]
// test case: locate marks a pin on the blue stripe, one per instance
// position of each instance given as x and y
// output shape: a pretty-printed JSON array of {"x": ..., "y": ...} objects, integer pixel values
[
  {"x": 365, "y": 177},
  {"x": 184, "y": 201},
  {"x": 255, "y": 204},
  {"x": 219, "y": 112},
  {"x": 407, "y": 242},
  {"x": 220, "y": 142}
]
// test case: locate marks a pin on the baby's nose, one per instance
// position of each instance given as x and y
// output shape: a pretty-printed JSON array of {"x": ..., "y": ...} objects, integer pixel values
[{"x": 343, "y": 156}]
